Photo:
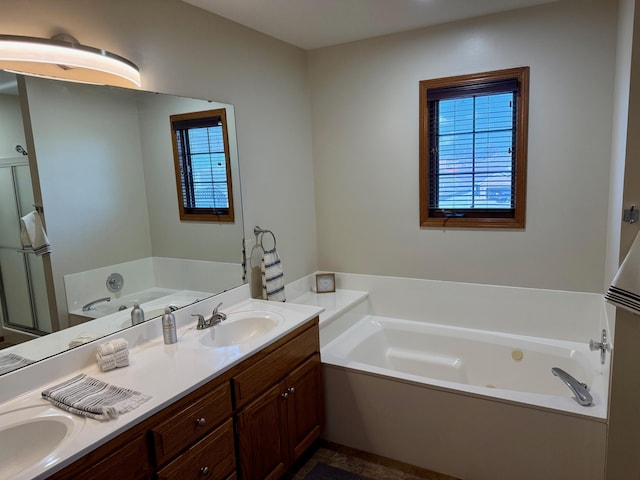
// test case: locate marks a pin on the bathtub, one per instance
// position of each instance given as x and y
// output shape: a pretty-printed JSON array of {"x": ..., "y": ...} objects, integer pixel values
[
  {"x": 423, "y": 386},
  {"x": 511, "y": 367}
]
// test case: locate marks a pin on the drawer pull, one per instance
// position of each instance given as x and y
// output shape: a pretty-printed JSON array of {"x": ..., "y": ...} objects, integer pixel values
[
  {"x": 285, "y": 395},
  {"x": 204, "y": 471},
  {"x": 291, "y": 390},
  {"x": 201, "y": 421}
]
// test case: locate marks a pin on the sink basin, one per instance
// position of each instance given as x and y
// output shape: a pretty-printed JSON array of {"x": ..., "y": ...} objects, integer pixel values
[
  {"x": 241, "y": 327},
  {"x": 30, "y": 437}
]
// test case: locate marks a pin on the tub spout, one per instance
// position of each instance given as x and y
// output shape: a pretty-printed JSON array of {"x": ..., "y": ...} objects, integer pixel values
[
  {"x": 580, "y": 390},
  {"x": 90, "y": 305}
]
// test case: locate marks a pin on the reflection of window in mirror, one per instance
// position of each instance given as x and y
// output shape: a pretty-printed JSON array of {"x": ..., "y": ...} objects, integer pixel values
[{"x": 202, "y": 166}]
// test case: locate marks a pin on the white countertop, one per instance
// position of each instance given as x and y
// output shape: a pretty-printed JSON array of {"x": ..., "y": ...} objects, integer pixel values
[{"x": 166, "y": 372}]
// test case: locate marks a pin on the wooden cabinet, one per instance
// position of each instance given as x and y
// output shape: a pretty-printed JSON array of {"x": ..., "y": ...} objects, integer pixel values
[
  {"x": 274, "y": 399},
  {"x": 280, "y": 424}
]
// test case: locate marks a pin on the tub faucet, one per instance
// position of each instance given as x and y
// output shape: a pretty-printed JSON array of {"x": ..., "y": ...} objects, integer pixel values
[
  {"x": 580, "y": 390},
  {"x": 88, "y": 306},
  {"x": 216, "y": 318},
  {"x": 602, "y": 345}
]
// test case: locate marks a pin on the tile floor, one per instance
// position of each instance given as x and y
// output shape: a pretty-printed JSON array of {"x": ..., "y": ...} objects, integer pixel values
[{"x": 362, "y": 463}]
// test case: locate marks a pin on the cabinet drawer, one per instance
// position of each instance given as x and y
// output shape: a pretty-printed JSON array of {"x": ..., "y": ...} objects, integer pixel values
[
  {"x": 256, "y": 378},
  {"x": 129, "y": 462},
  {"x": 213, "y": 458},
  {"x": 192, "y": 423}
]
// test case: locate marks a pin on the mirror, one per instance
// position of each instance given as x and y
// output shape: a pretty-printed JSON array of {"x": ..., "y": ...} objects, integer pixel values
[{"x": 101, "y": 164}]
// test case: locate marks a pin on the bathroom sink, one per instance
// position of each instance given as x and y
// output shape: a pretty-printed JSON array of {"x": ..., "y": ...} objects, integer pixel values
[
  {"x": 31, "y": 436},
  {"x": 241, "y": 327}
]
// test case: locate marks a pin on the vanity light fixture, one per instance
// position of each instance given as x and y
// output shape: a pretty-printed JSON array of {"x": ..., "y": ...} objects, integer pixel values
[{"x": 62, "y": 57}]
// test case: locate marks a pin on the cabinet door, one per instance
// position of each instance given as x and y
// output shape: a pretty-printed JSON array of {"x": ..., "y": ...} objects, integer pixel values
[
  {"x": 262, "y": 440},
  {"x": 305, "y": 405}
]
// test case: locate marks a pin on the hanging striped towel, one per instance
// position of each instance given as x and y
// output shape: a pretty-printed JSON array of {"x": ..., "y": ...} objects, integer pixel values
[
  {"x": 32, "y": 234},
  {"x": 625, "y": 289},
  {"x": 94, "y": 398},
  {"x": 272, "y": 277},
  {"x": 12, "y": 361}
]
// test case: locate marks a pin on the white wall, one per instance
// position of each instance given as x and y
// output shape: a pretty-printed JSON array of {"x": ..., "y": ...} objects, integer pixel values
[
  {"x": 186, "y": 51},
  {"x": 170, "y": 237},
  {"x": 364, "y": 98},
  {"x": 11, "y": 130},
  {"x": 92, "y": 182}
]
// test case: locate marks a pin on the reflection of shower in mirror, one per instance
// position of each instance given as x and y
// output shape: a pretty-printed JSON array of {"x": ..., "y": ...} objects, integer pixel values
[{"x": 20, "y": 149}]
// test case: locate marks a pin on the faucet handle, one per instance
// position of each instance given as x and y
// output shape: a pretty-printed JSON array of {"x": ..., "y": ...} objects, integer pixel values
[
  {"x": 218, "y": 314},
  {"x": 201, "y": 323}
]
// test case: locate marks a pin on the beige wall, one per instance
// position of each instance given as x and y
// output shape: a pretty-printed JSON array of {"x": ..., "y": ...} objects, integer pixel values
[
  {"x": 12, "y": 131},
  {"x": 364, "y": 100},
  {"x": 218, "y": 242},
  {"x": 183, "y": 50},
  {"x": 91, "y": 178}
]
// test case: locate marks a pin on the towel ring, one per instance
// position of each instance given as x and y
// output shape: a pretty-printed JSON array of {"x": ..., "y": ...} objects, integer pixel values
[{"x": 260, "y": 231}]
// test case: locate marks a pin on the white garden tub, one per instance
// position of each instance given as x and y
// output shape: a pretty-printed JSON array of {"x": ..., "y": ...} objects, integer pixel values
[
  {"x": 459, "y": 379},
  {"x": 492, "y": 364}
]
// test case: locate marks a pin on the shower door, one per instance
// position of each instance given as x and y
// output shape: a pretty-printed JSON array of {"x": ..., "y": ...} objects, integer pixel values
[{"x": 23, "y": 295}]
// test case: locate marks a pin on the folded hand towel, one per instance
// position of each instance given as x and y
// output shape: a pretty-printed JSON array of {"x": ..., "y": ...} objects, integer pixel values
[
  {"x": 113, "y": 346},
  {"x": 94, "y": 398},
  {"x": 272, "y": 277},
  {"x": 12, "y": 361},
  {"x": 625, "y": 289},
  {"x": 32, "y": 234},
  {"x": 113, "y": 360},
  {"x": 81, "y": 339}
]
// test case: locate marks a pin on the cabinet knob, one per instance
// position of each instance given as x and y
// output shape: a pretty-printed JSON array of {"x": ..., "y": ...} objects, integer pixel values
[
  {"x": 201, "y": 422},
  {"x": 285, "y": 395},
  {"x": 204, "y": 471},
  {"x": 291, "y": 389}
]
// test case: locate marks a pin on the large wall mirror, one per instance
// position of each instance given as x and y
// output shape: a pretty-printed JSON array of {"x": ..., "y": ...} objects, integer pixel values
[{"x": 98, "y": 161}]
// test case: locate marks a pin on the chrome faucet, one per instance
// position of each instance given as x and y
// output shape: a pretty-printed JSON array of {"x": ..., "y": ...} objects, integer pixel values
[
  {"x": 88, "y": 306},
  {"x": 215, "y": 319},
  {"x": 580, "y": 390},
  {"x": 602, "y": 345}
]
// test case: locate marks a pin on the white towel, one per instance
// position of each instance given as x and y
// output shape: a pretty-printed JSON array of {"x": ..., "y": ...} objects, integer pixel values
[
  {"x": 113, "y": 360},
  {"x": 83, "y": 338},
  {"x": 115, "y": 345},
  {"x": 94, "y": 398},
  {"x": 12, "y": 361},
  {"x": 272, "y": 277},
  {"x": 32, "y": 234},
  {"x": 625, "y": 289}
]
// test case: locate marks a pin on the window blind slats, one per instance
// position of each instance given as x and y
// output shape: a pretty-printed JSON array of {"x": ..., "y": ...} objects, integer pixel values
[
  {"x": 472, "y": 151},
  {"x": 203, "y": 166}
]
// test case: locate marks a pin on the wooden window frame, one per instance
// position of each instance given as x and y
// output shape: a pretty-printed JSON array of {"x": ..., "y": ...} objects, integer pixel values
[
  {"x": 202, "y": 214},
  {"x": 481, "y": 218}
]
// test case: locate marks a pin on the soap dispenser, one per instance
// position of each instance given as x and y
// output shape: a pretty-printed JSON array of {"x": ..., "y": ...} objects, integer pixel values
[
  {"x": 169, "y": 327},
  {"x": 137, "y": 315}
]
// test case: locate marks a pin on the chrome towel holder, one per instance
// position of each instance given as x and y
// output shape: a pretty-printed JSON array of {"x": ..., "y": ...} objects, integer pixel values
[{"x": 259, "y": 232}]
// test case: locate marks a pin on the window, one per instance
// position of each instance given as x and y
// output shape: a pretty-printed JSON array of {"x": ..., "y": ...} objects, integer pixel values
[
  {"x": 202, "y": 166},
  {"x": 473, "y": 149}
]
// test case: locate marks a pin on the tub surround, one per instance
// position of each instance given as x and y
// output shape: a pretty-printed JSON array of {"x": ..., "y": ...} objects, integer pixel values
[{"x": 166, "y": 372}]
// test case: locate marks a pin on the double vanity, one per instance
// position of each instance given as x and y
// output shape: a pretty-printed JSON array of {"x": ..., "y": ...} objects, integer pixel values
[{"x": 242, "y": 399}]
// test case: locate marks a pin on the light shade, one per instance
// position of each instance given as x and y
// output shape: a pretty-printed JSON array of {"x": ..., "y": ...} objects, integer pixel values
[{"x": 66, "y": 60}]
